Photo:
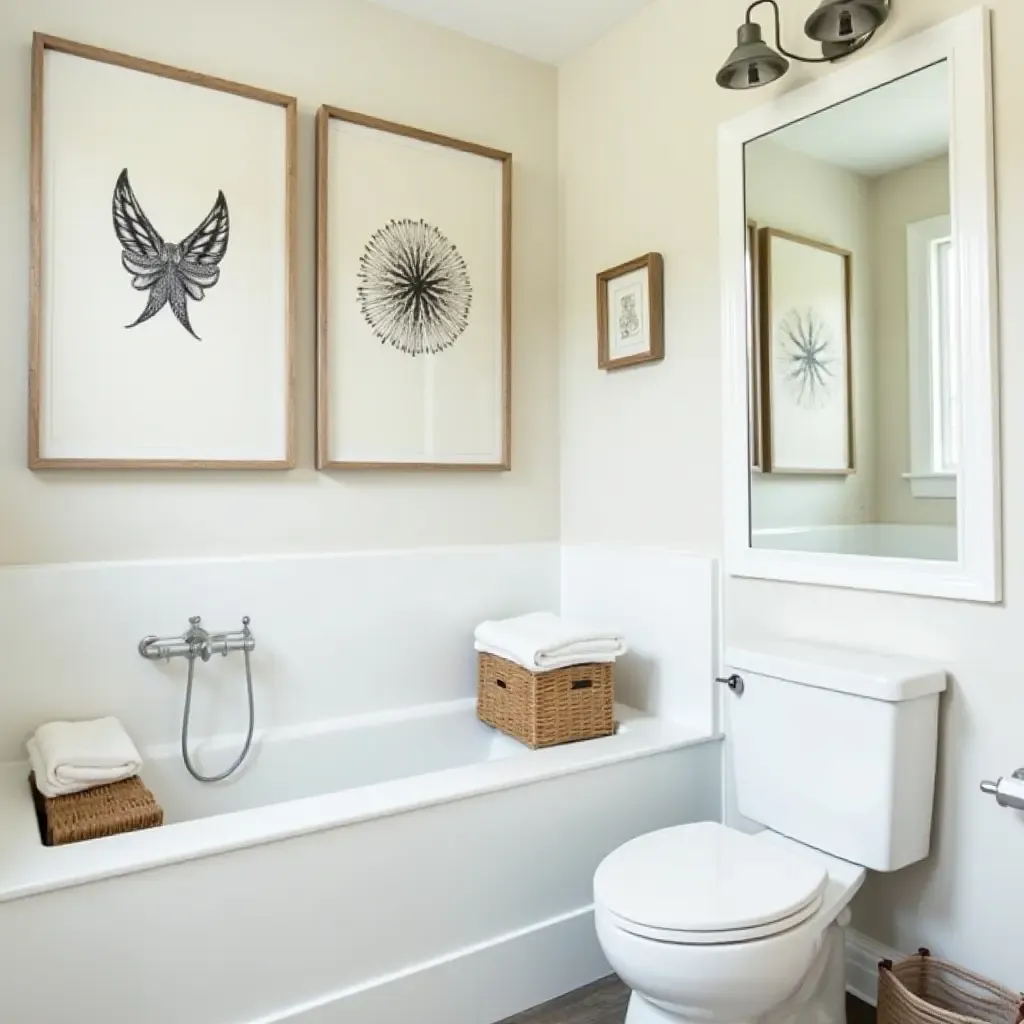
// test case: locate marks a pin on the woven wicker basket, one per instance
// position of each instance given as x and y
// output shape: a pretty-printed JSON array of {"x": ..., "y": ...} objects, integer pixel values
[
  {"x": 546, "y": 708},
  {"x": 923, "y": 990},
  {"x": 103, "y": 811}
]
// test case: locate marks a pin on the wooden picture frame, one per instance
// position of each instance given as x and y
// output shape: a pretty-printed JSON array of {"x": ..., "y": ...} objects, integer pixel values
[
  {"x": 339, "y": 325},
  {"x": 247, "y": 364},
  {"x": 754, "y": 412},
  {"x": 637, "y": 288},
  {"x": 819, "y": 379}
]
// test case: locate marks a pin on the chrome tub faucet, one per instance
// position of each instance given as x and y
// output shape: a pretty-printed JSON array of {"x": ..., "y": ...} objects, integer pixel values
[{"x": 197, "y": 642}]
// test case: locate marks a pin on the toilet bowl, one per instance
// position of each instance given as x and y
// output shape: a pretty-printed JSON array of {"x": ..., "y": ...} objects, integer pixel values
[
  {"x": 833, "y": 752},
  {"x": 707, "y": 924}
]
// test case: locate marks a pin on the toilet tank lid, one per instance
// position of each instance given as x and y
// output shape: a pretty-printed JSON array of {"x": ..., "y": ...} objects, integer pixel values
[{"x": 885, "y": 677}]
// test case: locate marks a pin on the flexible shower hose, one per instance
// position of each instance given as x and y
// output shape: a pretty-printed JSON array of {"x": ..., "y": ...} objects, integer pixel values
[{"x": 188, "y": 711}]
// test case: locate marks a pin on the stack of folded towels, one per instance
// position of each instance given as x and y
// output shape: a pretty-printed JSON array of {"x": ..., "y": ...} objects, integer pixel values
[
  {"x": 542, "y": 642},
  {"x": 69, "y": 757}
]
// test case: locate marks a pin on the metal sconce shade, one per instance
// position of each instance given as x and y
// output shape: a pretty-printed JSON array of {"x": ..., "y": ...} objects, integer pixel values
[
  {"x": 753, "y": 63},
  {"x": 844, "y": 21},
  {"x": 841, "y": 26}
]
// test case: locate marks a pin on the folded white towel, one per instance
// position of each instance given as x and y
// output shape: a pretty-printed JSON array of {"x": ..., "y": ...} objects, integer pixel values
[
  {"x": 542, "y": 642},
  {"x": 68, "y": 757}
]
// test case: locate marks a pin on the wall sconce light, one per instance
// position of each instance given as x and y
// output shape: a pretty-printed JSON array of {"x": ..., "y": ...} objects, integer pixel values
[{"x": 841, "y": 26}]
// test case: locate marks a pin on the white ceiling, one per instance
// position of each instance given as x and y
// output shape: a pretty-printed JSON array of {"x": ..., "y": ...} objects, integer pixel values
[
  {"x": 547, "y": 30},
  {"x": 900, "y": 124}
]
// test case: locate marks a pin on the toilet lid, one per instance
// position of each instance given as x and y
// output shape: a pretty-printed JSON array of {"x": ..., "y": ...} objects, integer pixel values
[{"x": 706, "y": 878}]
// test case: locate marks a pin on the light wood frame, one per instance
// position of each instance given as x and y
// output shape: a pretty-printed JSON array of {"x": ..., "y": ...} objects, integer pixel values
[
  {"x": 40, "y": 44},
  {"x": 755, "y": 444},
  {"x": 965, "y": 43},
  {"x": 324, "y": 117},
  {"x": 655, "y": 267},
  {"x": 765, "y": 347}
]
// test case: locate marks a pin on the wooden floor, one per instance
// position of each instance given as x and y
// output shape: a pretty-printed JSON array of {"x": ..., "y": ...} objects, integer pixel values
[
  {"x": 601, "y": 1003},
  {"x": 605, "y": 1003},
  {"x": 859, "y": 1013}
]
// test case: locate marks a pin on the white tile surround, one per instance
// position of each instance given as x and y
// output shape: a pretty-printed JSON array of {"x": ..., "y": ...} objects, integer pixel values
[
  {"x": 337, "y": 635},
  {"x": 666, "y": 603}
]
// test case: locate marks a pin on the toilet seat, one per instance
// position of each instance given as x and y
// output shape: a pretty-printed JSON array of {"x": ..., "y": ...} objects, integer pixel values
[
  {"x": 707, "y": 884},
  {"x": 714, "y": 938}
]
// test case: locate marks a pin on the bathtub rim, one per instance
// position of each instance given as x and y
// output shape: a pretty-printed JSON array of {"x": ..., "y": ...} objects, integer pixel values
[{"x": 27, "y": 868}]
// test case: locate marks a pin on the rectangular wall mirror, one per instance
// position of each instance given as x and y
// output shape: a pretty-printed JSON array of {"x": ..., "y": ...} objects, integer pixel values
[{"x": 858, "y": 261}]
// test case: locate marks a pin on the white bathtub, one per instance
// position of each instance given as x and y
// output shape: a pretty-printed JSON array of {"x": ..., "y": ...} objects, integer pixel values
[
  {"x": 883, "y": 540},
  {"x": 329, "y": 758},
  {"x": 404, "y": 867}
]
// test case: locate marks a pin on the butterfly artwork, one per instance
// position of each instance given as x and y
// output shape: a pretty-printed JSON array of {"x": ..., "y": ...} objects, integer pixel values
[{"x": 171, "y": 272}]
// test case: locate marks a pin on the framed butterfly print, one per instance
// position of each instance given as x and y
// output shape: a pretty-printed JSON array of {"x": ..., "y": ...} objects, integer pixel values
[
  {"x": 414, "y": 297},
  {"x": 163, "y": 261}
]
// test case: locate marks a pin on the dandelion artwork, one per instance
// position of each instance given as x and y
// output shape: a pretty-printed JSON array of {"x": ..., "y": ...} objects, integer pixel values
[
  {"x": 414, "y": 288},
  {"x": 805, "y": 355},
  {"x": 414, "y": 263},
  {"x": 806, "y": 345}
]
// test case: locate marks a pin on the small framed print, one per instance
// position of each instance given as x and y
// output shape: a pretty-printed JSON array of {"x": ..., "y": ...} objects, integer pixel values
[{"x": 631, "y": 313}]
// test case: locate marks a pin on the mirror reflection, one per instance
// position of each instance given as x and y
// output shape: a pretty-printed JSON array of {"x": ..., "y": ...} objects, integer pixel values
[{"x": 854, "y": 370}]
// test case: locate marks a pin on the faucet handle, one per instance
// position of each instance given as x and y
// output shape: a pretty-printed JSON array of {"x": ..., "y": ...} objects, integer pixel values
[
  {"x": 245, "y": 621},
  {"x": 194, "y": 620}
]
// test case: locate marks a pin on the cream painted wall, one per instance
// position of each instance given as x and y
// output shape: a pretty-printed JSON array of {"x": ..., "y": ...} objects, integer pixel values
[
  {"x": 354, "y": 54},
  {"x": 898, "y": 199},
  {"x": 794, "y": 192},
  {"x": 642, "y": 449}
]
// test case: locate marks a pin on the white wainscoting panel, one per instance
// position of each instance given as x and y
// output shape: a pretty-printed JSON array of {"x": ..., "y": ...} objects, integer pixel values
[
  {"x": 336, "y": 635},
  {"x": 488, "y": 982},
  {"x": 666, "y": 604},
  {"x": 862, "y": 959}
]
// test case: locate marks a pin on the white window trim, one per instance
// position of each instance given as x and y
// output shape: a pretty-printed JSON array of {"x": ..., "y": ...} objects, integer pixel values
[
  {"x": 931, "y": 485},
  {"x": 924, "y": 481}
]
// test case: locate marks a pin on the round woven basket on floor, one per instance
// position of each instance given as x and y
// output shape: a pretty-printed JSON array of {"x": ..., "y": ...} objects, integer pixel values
[{"x": 924, "y": 990}]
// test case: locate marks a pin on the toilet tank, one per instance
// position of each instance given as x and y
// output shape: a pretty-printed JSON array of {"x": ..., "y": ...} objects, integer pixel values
[{"x": 836, "y": 748}]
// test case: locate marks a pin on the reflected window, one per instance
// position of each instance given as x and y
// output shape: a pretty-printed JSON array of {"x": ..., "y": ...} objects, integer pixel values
[{"x": 934, "y": 365}]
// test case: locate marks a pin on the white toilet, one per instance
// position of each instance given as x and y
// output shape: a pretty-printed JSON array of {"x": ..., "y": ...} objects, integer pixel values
[{"x": 832, "y": 751}]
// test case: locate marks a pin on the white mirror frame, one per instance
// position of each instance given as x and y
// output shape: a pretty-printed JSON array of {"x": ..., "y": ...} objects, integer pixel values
[{"x": 964, "y": 42}]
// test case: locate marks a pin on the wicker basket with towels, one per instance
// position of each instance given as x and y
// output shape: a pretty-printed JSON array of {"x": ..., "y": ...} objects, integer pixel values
[
  {"x": 546, "y": 682},
  {"x": 85, "y": 782}
]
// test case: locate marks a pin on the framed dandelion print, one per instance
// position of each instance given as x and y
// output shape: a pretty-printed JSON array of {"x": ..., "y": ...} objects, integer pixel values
[
  {"x": 805, "y": 365},
  {"x": 162, "y": 306},
  {"x": 630, "y": 313},
  {"x": 414, "y": 267}
]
